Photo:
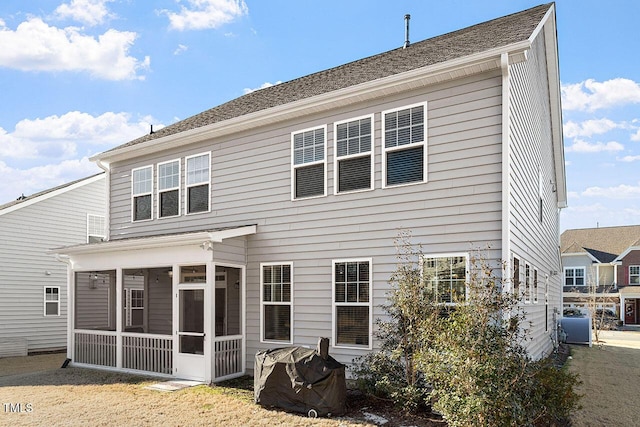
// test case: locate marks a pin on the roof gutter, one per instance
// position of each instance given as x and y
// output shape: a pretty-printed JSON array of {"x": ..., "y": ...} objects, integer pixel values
[{"x": 444, "y": 71}]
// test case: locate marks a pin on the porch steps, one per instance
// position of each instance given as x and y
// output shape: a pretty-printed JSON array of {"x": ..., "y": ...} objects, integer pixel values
[{"x": 173, "y": 385}]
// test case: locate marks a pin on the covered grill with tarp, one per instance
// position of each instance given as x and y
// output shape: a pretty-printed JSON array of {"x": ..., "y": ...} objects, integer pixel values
[{"x": 299, "y": 379}]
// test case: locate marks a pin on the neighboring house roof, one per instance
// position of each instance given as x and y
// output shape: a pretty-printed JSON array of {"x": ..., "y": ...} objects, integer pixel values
[
  {"x": 604, "y": 244},
  {"x": 24, "y": 201},
  {"x": 494, "y": 34}
]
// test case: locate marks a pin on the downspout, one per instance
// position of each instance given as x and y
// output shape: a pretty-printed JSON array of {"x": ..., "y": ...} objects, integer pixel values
[
  {"x": 71, "y": 312},
  {"x": 506, "y": 170},
  {"x": 107, "y": 171}
]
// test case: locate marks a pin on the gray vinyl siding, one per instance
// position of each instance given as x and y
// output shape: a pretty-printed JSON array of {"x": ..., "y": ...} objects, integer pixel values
[
  {"x": 25, "y": 236},
  {"x": 160, "y": 306},
  {"x": 532, "y": 241},
  {"x": 457, "y": 210}
]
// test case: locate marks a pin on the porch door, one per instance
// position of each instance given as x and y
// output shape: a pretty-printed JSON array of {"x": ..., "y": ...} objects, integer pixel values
[{"x": 190, "y": 363}]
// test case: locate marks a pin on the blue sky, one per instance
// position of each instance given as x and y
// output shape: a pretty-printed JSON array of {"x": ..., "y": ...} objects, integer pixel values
[{"x": 78, "y": 77}]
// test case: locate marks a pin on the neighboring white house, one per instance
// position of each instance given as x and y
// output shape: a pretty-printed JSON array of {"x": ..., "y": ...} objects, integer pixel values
[
  {"x": 270, "y": 220},
  {"x": 33, "y": 284}
]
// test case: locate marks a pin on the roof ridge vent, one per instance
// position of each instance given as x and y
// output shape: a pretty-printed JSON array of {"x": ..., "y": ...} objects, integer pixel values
[{"x": 407, "y": 17}]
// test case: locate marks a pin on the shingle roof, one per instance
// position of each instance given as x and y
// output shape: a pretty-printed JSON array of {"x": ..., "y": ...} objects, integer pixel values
[
  {"x": 492, "y": 34},
  {"x": 23, "y": 198},
  {"x": 605, "y": 243}
]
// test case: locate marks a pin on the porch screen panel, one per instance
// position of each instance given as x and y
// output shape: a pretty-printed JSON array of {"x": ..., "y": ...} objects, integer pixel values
[{"x": 191, "y": 321}]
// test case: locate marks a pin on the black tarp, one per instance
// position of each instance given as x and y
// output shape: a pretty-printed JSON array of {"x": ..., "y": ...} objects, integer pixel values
[{"x": 299, "y": 379}]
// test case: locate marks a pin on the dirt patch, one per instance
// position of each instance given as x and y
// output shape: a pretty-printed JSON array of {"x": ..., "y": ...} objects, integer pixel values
[{"x": 609, "y": 387}]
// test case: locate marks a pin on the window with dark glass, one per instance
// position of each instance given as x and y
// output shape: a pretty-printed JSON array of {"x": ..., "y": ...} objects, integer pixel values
[
  {"x": 354, "y": 155},
  {"x": 142, "y": 183},
  {"x": 198, "y": 177},
  {"x": 276, "y": 302},
  {"x": 574, "y": 276},
  {"x": 404, "y": 145},
  {"x": 308, "y": 151},
  {"x": 169, "y": 189},
  {"x": 352, "y": 302}
]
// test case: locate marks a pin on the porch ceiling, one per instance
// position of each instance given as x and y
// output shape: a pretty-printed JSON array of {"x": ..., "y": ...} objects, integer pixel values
[{"x": 203, "y": 238}]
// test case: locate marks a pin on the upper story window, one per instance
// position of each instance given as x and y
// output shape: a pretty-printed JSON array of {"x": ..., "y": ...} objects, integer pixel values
[
  {"x": 446, "y": 276},
  {"x": 634, "y": 274},
  {"x": 96, "y": 230},
  {"x": 169, "y": 189},
  {"x": 308, "y": 152},
  {"x": 574, "y": 276},
  {"x": 142, "y": 189},
  {"x": 404, "y": 146},
  {"x": 354, "y": 155},
  {"x": 352, "y": 310},
  {"x": 198, "y": 179}
]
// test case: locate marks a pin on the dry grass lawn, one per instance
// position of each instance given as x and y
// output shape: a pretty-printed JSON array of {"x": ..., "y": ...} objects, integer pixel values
[
  {"x": 611, "y": 385},
  {"x": 50, "y": 396}
]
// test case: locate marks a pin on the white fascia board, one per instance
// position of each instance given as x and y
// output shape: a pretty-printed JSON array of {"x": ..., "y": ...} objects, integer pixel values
[
  {"x": 625, "y": 253},
  {"x": 202, "y": 238},
  {"x": 548, "y": 26},
  {"x": 444, "y": 71},
  {"x": 51, "y": 194}
]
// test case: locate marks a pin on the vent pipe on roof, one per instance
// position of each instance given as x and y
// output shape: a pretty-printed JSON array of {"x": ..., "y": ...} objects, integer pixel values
[
  {"x": 151, "y": 131},
  {"x": 407, "y": 17}
]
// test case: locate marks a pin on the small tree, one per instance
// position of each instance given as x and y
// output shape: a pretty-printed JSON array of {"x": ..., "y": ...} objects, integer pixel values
[{"x": 597, "y": 296}]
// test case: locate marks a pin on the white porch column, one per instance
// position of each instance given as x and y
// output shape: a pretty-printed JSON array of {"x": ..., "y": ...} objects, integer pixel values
[{"x": 119, "y": 322}]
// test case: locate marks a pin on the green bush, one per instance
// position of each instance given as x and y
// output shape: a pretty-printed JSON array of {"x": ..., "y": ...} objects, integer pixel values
[{"x": 468, "y": 361}]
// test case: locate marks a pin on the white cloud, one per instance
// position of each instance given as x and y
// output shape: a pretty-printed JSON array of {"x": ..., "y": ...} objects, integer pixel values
[
  {"x": 591, "y": 95},
  {"x": 58, "y": 137},
  {"x": 628, "y": 159},
  {"x": 622, "y": 191},
  {"x": 589, "y": 127},
  {"x": 16, "y": 182},
  {"x": 247, "y": 90},
  {"x": 181, "y": 48},
  {"x": 206, "y": 14},
  {"x": 88, "y": 12},
  {"x": 36, "y": 46},
  {"x": 580, "y": 146},
  {"x": 635, "y": 136}
]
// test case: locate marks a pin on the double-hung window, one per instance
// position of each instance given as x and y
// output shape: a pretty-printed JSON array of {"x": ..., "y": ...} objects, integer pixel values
[
  {"x": 446, "y": 276},
  {"x": 634, "y": 274},
  {"x": 142, "y": 189},
  {"x": 133, "y": 307},
  {"x": 527, "y": 283},
  {"x": 96, "y": 230},
  {"x": 169, "y": 189},
  {"x": 535, "y": 286},
  {"x": 354, "y": 155},
  {"x": 198, "y": 178},
  {"x": 404, "y": 156},
  {"x": 516, "y": 277},
  {"x": 276, "y": 314},
  {"x": 352, "y": 309},
  {"x": 52, "y": 301},
  {"x": 309, "y": 166},
  {"x": 574, "y": 276}
]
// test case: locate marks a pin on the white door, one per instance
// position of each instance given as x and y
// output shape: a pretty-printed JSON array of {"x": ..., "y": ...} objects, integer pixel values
[{"x": 190, "y": 363}]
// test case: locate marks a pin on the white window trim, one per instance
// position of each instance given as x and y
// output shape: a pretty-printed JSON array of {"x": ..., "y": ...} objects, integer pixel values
[
  {"x": 187, "y": 186},
  {"x": 535, "y": 285},
  {"x": 159, "y": 208},
  {"x": 403, "y": 147},
  {"x": 104, "y": 231},
  {"x": 334, "y": 304},
  {"x": 631, "y": 283},
  {"x": 44, "y": 297},
  {"x": 317, "y": 162},
  {"x": 133, "y": 196},
  {"x": 449, "y": 255},
  {"x": 336, "y": 159},
  {"x": 128, "y": 307},
  {"x": 528, "y": 285},
  {"x": 263, "y": 303},
  {"x": 584, "y": 276}
]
